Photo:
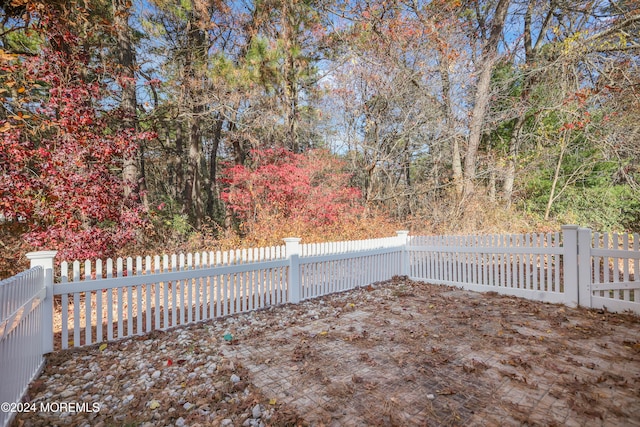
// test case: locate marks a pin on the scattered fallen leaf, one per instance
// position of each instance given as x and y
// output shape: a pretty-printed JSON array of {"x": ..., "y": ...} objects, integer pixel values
[
  {"x": 103, "y": 346},
  {"x": 5, "y": 56},
  {"x": 154, "y": 404}
]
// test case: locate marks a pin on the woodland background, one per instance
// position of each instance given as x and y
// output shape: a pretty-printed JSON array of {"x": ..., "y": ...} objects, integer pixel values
[{"x": 133, "y": 127}]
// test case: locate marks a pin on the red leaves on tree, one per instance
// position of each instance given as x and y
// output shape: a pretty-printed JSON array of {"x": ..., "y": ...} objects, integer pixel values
[
  {"x": 307, "y": 187},
  {"x": 61, "y": 172}
]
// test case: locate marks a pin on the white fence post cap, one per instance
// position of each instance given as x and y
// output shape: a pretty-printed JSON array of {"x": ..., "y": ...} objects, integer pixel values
[
  {"x": 570, "y": 227},
  {"x": 43, "y": 258},
  {"x": 41, "y": 255},
  {"x": 292, "y": 246},
  {"x": 292, "y": 239}
]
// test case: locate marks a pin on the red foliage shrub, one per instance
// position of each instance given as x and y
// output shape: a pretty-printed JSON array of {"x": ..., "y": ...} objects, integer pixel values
[{"x": 310, "y": 188}]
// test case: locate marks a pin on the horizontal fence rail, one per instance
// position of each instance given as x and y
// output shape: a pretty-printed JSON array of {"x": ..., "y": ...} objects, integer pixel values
[
  {"x": 21, "y": 324},
  {"x": 328, "y": 248}
]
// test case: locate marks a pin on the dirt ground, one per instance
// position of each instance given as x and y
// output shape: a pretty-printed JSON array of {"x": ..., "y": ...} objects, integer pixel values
[{"x": 398, "y": 353}]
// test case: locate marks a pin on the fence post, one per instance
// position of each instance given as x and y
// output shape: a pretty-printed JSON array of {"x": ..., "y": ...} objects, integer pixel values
[
  {"x": 584, "y": 267},
  {"x": 570, "y": 263},
  {"x": 44, "y": 259},
  {"x": 403, "y": 238},
  {"x": 293, "y": 254}
]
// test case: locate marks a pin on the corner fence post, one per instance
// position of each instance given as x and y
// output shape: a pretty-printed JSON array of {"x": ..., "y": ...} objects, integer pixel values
[
  {"x": 403, "y": 238},
  {"x": 45, "y": 259},
  {"x": 292, "y": 246},
  {"x": 584, "y": 267},
  {"x": 570, "y": 264}
]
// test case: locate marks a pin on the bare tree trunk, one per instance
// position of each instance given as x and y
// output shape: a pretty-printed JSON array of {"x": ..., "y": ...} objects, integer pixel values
[
  {"x": 194, "y": 174},
  {"x": 482, "y": 96},
  {"x": 510, "y": 173},
  {"x": 239, "y": 152},
  {"x": 126, "y": 61},
  {"x": 212, "y": 188},
  {"x": 290, "y": 92},
  {"x": 492, "y": 179},
  {"x": 195, "y": 60},
  {"x": 180, "y": 188},
  {"x": 456, "y": 161},
  {"x": 556, "y": 176},
  {"x": 407, "y": 177}
]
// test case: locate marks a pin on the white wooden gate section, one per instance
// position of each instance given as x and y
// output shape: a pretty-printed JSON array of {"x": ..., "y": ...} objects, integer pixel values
[{"x": 609, "y": 270}]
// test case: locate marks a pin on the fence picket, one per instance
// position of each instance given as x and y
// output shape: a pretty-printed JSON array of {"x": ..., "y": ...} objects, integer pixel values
[
  {"x": 139, "y": 303},
  {"x": 64, "y": 278},
  {"x": 616, "y": 266},
  {"x": 508, "y": 261},
  {"x": 129, "y": 273},
  {"x": 556, "y": 264},
  {"x": 636, "y": 265},
  {"x": 605, "y": 245},
  {"x": 120, "y": 297},
  {"x": 271, "y": 287},
  {"x": 165, "y": 286},
  {"x": 485, "y": 262},
  {"x": 87, "y": 305},
  {"x": 201, "y": 289},
  {"x": 149, "y": 294},
  {"x": 76, "y": 306},
  {"x": 189, "y": 289},
  {"x": 539, "y": 273},
  {"x": 108, "y": 293},
  {"x": 99, "y": 311}
]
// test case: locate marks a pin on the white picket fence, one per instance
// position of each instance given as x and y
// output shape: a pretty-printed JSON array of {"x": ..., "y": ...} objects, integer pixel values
[
  {"x": 527, "y": 265},
  {"x": 574, "y": 267},
  {"x": 24, "y": 318},
  {"x": 102, "y": 301}
]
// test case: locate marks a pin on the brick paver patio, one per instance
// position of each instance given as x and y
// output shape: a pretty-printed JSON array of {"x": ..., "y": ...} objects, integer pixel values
[{"x": 431, "y": 355}]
